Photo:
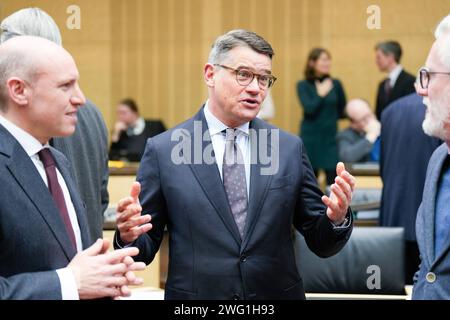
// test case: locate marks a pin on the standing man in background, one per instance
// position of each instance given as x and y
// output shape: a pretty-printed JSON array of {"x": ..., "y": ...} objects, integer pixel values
[
  {"x": 399, "y": 83},
  {"x": 87, "y": 148}
]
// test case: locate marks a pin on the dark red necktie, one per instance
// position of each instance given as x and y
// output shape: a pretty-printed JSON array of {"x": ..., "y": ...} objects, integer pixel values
[{"x": 55, "y": 189}]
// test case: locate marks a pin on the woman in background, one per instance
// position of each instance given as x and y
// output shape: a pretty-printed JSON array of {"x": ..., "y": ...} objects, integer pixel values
[{"x": 323, "y": 101}]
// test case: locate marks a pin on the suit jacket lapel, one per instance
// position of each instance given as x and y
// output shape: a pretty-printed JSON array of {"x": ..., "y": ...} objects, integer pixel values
[
  {"x": 208, "y": 177},
  {"x": 430, "y": 207},
  {"x": 258, "y": 182},
  {"x": 26, "y": 174},
  {"x": 80, "y": 210}
]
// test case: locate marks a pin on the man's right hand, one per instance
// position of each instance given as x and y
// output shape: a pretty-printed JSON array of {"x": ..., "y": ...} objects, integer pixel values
[
  {"x": 129, "y": 221},
  {"x": 99, "y": 273}
]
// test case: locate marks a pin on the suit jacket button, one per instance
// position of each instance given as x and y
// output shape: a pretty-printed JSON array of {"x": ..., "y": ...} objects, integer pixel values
[
  {"x": 431, "y": 277},
  {"x": 236, "y": 297},
  {"x": 243, "y": 258}
]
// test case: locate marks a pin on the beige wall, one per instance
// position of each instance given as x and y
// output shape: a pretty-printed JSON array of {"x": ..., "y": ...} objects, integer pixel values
[{"x": 154, "y": 50}]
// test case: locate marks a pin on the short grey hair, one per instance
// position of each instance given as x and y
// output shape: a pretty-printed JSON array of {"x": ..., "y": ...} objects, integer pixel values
[
  {"x": 238, "y": 38},
  {"x": 442, "y": 30},
  {"x": 30, "y": 22}
]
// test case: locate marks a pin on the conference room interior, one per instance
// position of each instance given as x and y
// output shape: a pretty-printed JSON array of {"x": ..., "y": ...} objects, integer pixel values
[{"x": 153, "y": 51}]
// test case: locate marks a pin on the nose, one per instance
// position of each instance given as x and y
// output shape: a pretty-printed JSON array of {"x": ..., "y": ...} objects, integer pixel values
[
  {"x": 253, "y": 86},
  {"x": 78, "y": 99}
]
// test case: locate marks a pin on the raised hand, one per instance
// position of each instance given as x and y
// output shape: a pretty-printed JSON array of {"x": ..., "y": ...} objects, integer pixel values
[
  {"x": 129, "y": 221},
  {"x": 341, "y": 195}
]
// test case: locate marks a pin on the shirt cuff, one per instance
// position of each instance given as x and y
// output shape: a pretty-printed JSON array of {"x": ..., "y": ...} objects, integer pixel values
[
  {"x": 120, "y": 244},
  {"x": 69, "y": 289}
]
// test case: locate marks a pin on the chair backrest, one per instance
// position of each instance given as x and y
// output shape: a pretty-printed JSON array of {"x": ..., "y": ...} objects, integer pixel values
[{"x": 372, "y": 262}]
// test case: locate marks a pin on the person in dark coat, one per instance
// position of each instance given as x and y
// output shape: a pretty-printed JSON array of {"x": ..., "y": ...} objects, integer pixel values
[
  {"x": 323, "y": 100},
  {"x": 405, "y": 152},
  {"x": 131, "y": 132}
]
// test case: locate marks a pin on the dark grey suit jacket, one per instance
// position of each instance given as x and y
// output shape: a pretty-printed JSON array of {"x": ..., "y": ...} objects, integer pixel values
[
  {"x": 33, "y": 240},
  {"x": 207, "y": 257},
  {"x": 87, "y": 152},
  {"x": 430, "y": 265}
]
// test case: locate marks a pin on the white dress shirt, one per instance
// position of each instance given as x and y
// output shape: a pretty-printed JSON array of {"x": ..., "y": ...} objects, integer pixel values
[
  {"x": 218, "y": 141},
  {"x": 32, "y": 146},
  {"x": 393, "y": 75}
]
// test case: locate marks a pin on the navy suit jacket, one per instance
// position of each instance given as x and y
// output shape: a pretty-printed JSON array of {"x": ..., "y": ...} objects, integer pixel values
[
  {"x": 405, "y": 152},
  {"x": 403, "y": 86},
  {"x": 207, "y": 257},
  {"x": 33, "y": 240},
  {"x": 437, "y": 267}
]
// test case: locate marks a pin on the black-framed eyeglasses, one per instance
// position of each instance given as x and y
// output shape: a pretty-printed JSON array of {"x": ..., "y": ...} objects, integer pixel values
[
  {"x": 244, "y": 77},
  {"x": 424, "y": 76}
]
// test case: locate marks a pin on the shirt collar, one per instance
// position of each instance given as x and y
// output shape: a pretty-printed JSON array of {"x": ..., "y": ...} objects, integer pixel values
[
  {"x": 393, "y": 75},
  {"x": 216, "y": 126},
  {"x": 139, "y": 126},
  {"x": 29, "y": 143}
]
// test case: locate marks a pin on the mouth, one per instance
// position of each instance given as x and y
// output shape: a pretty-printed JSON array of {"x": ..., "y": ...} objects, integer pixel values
[
  {"x": 250, "y": 102},
  {"x": 72, "y": 115}
]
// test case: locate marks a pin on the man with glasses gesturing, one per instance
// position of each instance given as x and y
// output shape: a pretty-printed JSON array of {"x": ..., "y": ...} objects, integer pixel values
[
  {"x": 432, "y": 281},
  {"x": 230, "y": 220}
]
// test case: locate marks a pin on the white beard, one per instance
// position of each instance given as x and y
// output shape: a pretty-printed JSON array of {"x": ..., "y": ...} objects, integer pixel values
[{"x": 437, "y": 119}]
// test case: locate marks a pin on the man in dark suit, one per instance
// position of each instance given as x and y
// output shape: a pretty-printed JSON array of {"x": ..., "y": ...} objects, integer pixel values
[
  {"x": 432, "y": 281},
  {"x": 230, "y": 188},
  {"x": 46, "y": 251},
  {"x": 399, "y": 83},
  {"x": 405, "y": 152},
  {"x": 87, "y": 148}
]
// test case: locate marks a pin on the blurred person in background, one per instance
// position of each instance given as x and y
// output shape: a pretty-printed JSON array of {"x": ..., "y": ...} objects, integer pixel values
[{"x": 323, "y": 100}]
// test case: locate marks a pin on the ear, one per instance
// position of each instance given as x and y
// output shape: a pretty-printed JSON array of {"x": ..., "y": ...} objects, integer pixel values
[
  {"x": 208, "y": 74},
  {"x": 18, "y": 90}
]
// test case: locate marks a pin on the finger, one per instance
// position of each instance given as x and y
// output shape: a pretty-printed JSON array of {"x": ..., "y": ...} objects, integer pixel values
[
  {"x": 351, "y": 180},
  {"x": 330, "y": 204},
  {"x": 345, "y": 187},
  {"x": 131, "y": 277},
  {"x": 137, "y": 266},
  {"x": 131, "y": 211},
  {"x": 125, "y": 291},
  {"x": 95, "y": 249},
  {"x": 124, "y": 203},
  {"x": 106, "y": 245},
  {"x": 340, "y": 196},
  {"x": 135, "y": 190},
  {"x": 340, "y": 167},
  {"x": 118, "y": 255},
  {"x": 135, "y": 221},
  {"x": 128, "y": 261}
]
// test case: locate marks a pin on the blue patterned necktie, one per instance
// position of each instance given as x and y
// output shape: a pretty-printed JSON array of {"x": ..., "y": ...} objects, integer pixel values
[{"x": 234, "y": 181}]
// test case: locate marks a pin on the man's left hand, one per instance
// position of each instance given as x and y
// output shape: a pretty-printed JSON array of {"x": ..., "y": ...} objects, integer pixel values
[{"x": 341, "y": 195}]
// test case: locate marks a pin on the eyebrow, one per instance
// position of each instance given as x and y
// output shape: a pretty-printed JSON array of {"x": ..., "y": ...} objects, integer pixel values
[{"x": 253, "y": 70}]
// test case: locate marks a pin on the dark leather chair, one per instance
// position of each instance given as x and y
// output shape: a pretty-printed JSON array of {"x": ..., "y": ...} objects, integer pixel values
[{"x": 372, "y": 262}]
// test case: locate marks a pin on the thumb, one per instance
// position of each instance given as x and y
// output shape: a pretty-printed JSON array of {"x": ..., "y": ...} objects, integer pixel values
[
  {"x": 95, "y": 249},
  {"x": 340, "y": 167},
  {"x": 135, "y": 190}
]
